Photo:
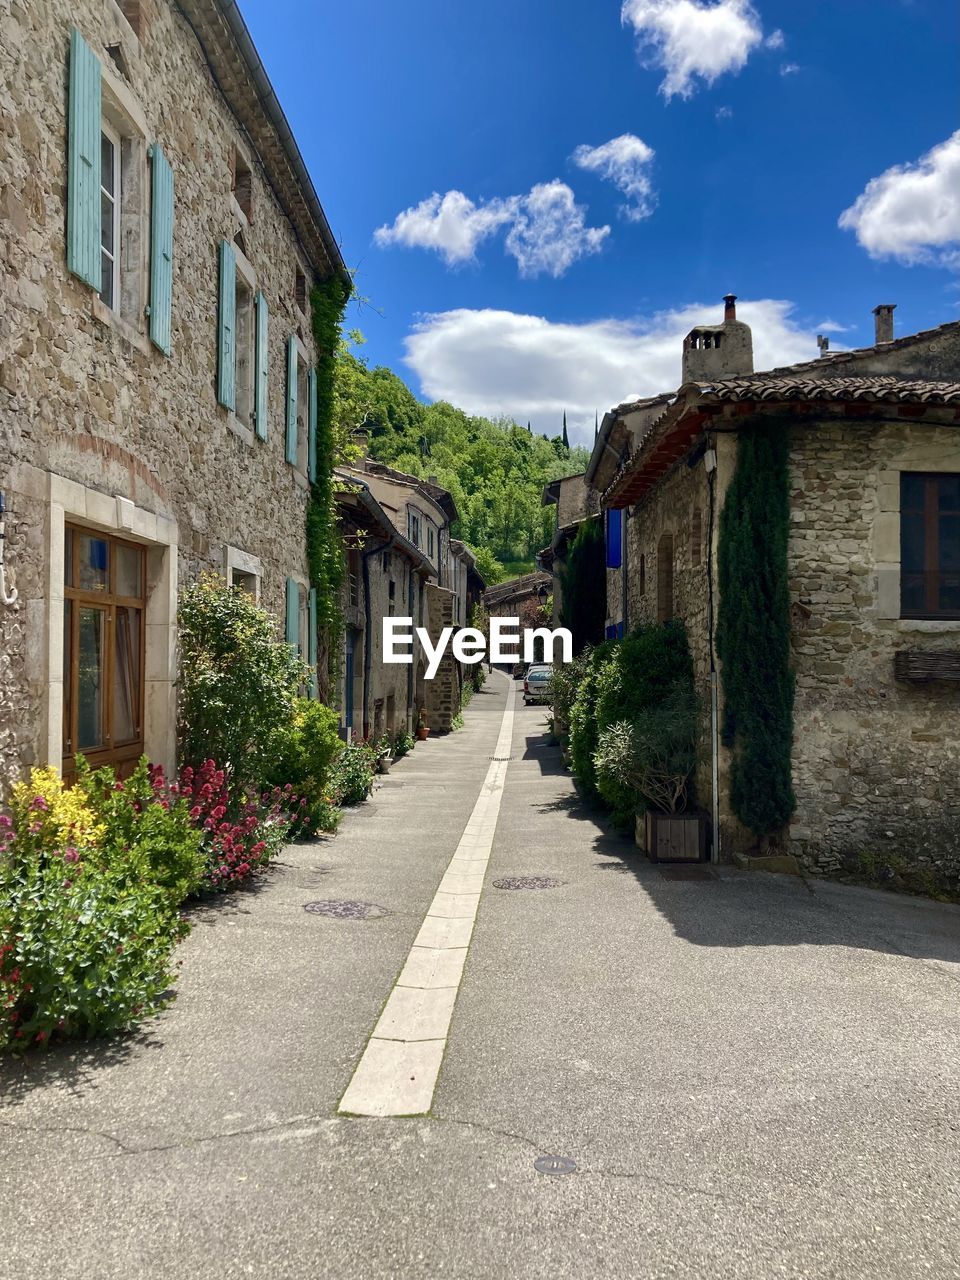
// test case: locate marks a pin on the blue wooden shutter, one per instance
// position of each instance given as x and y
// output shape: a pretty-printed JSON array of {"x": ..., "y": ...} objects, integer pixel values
[
  {"x": 161, "y": 250},
  {"x": 614, "y": 538},
  {"x": 263, "y": 368},
  {"x": 292, "y": 399},
  {"x": 83, "y": 163},
  {"x": 227, "y": 328},
  {"x": 312, "y": 452},
  {"x": 293, "y": 615},
  {"x": 312, "y": 642}
]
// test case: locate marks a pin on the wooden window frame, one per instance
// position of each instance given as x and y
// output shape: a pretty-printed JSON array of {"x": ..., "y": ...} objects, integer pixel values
[
  {"x": 932, "y": 573},
  {"x": 125, "y": 755}
]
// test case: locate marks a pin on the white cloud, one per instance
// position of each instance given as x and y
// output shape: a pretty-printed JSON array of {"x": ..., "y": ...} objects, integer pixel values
[
  {"x": 691, "y": 38},
  {"x": 723, "y": 113},
  {"x": 789, "y": 68},
  {"x": 547, "y": 228},
  {"x": 549, "y": 231},
  {"x": 452, "y": 225},
  {"x": 624, "y": 161},
  {"x": 912, "y": 211},
  {"x": 527, "y": 367},
  {"x": 775, "y": 40}
]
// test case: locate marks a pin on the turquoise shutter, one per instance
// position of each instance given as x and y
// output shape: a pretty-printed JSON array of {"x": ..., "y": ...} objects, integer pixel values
[
  {"x": 312, "y": 450},
  {"x": 312, "y": 642},
  {"x": 292, "y": 399},
  {"x": 83, "y": 163},
  {"x": 293, "y": 615},
  {"x": 161, "y": 250},
  {"x": 262, "y": 368},
  {"x": 227, "y": 328}
]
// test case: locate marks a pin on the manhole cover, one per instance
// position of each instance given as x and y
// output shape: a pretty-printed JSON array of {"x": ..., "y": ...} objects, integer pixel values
[
  {"x": 528, "y": 882},
  {"x": 554, "y": 1164},
  {"x": 687, "y": 873},
  {"x": 345, "y": 909}
]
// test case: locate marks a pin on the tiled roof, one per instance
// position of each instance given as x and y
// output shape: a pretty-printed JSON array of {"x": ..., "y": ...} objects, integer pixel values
[{"x": 770, "y": 386}]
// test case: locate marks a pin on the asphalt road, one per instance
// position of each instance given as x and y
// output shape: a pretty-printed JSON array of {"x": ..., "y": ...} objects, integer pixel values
[{"x": 753, "y": 1077}]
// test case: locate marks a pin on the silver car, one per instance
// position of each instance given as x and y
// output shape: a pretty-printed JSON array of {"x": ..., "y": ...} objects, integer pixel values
[{"x": 536, "y": 683}]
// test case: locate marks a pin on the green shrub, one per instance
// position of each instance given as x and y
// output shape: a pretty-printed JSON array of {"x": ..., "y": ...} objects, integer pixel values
[
  {"x": 238, "y": 682},
  {"x": 351, "y": 776},
  {"x": 564, "y": 686},
  {"x": 148, "y": 831},
  {"x": 305, "y": 753},
  {"x": 584, "y": 732},
  {"x": 403, "y": 744},
  {"x": 652, "y": 757},
  {"x": 85, "y": 943}
]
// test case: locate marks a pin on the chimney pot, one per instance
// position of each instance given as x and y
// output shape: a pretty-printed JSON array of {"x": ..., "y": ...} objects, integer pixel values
[
  {"x": 729, "y": 307},
  {"x": 883, "y": 322}
]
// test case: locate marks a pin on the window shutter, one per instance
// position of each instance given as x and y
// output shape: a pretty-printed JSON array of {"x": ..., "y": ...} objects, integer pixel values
[
  {"x": 292, "y": 399},
  {"x": 83, "y": 163},
  {"x": 161, "y": 250},
  {"x": 227, "y": 328},
  {"x": 312, "y": 643},
  {"x": 263, "y": 366},
  {"x": 614, "y": 538},
  {"x": 293, "y": 615},
  {"x": 312, "y": 452}
]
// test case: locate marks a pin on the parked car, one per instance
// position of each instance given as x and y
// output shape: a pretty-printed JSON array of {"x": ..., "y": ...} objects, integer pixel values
[
  {"x": 536, "y": 683},
  {"x": 520, "y": 670}
]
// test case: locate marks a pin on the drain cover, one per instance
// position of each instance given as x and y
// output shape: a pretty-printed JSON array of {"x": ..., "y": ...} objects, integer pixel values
[
  {"x": 528, "y": 882},
  {"x": 554, "y": 1164},
  {"x": 345, "y": 909}
]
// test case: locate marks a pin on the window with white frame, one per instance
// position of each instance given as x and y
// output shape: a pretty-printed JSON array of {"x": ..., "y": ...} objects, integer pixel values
[
  {"x": 124, "y": 222},
  {"x": 109, "y": 215},
  {"x": 246, "y": 355}
]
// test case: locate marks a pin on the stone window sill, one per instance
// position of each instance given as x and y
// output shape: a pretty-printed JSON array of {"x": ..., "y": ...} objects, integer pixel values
[
  {"x": 236, "y": 426},
  {"x": 108, "y": 317},
  {"x": 299, "y": 478},
  {"x": 929, "y": 626}
]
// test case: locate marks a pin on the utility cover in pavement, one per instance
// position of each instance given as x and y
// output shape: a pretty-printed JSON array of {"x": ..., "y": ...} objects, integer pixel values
[
  {"x": 345, "y": 909},
  {"x": 528, "y": 882},
  {"x": 554, "y": 1164}
]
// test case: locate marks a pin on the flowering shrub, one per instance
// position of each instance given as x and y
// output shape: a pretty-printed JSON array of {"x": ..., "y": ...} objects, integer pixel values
[
  {"x": 239, "y": 836},
  {"x": 85, "y": 948},
  {"x": 351, "y": 775},
  {"x": 53, "y": 814}
]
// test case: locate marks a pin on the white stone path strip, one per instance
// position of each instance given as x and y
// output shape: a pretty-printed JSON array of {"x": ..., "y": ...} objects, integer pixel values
[{"x": 398, "y": 1071}]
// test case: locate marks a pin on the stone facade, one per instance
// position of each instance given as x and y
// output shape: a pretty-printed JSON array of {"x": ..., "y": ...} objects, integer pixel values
[
  {"x": 97, "y": 426},
  {"x": 876, "y": 759}
]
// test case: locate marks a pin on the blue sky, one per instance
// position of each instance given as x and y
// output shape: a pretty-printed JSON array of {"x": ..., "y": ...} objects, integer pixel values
[{"x": 541, "y": 197}]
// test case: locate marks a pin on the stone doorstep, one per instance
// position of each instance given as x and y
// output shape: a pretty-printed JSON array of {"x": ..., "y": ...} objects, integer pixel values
[{"x": 784, "y": 864}]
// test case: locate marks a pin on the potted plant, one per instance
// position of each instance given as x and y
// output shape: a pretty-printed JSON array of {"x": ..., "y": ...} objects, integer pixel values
[
  {"x": 423, "y": 726},
  {"x": 383, "y": 749},
  {"x": 655, "y": 755}
]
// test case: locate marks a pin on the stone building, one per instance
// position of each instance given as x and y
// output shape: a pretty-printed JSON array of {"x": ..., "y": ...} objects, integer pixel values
[
  {"x": 508, "y": 599},
  {"x": 160, "y": 236},
  {"x": 874, "y": 571},
  {"x": 415, "y": 571},
  {"x": 576, "y": 500}
]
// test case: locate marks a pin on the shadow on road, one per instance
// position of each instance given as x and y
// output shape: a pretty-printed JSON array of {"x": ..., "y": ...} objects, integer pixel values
[{"x": 744, "y": 909}]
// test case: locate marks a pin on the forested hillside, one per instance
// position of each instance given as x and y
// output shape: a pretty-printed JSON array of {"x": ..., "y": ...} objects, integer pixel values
[{"x": 495, "y": 470}]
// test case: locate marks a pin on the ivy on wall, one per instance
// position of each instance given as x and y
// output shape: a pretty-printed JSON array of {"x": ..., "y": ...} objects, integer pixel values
[
  {"x": 753, "y": 629},
  {"x": 325, "y": 554}
]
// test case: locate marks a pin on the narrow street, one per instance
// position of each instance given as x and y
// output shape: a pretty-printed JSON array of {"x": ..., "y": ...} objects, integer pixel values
[{"x": 753, "y": 1076}]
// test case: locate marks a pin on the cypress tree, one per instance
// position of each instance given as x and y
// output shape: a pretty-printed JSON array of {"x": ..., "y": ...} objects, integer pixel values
[
  {"x": 565, "y": 437},
  {"x": 596, "y": 426},
  {"x": 584, "y": 586},
  {"x": 753, "y": 629}
]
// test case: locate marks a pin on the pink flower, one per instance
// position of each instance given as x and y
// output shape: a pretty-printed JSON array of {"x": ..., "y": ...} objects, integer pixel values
[
  {"x": 195, "y": 812},
  {"x": 71, "y": 855},
  {"x": 38, "y": 802},
  {"x": 118, "y": 786}
]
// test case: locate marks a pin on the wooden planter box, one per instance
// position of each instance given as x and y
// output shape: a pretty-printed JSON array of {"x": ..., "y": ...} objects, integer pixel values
[{"x": 673, "y": 837}]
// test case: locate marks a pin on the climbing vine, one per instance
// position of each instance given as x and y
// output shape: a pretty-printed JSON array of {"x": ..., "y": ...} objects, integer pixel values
[
  {"x": 753, "y": 629},
  {"x": 325, "y": 554}
]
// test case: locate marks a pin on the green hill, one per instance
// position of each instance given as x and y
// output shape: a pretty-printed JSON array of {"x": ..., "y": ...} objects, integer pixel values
[{"x": 495, "y": 470}]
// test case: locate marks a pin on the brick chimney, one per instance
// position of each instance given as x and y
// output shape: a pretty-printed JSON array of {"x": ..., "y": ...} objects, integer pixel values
[
  {"x": 883, "y": 322},
  {"x": 712, "y": 352}
]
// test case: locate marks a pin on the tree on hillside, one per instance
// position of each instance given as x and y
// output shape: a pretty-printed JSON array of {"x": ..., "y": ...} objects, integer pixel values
[{"x": 565, "y": 438}]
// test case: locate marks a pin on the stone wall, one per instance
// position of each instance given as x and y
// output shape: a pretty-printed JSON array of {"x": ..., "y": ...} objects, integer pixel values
[
  {"x": 876, "y": 761},
  {"x": 83, "y": 394},
  {"x": 442, "y": 693}
]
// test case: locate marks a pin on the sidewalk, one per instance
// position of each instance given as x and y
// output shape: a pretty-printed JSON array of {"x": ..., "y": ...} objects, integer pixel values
[{"x": 753, "y": 1077}]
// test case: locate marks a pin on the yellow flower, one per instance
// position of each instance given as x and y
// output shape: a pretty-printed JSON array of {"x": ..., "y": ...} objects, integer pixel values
[{"x": 62, "y": 813}]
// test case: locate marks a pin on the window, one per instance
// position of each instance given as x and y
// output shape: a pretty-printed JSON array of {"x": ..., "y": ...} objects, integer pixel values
[
  {"x": 614, "y": 538},
  {"x": 665, "y": 578},
  {"x": 391, "y": 597},
  {"x": 413, "y": 528},
  {"x": 245, "y": 351},
  {"x": 353, "y": 577},
  {"x": 929, "y": 545},
  {"x": 109, "y": 216},
  {"x": 300, "y": 290},
  {"x": 643, "y": 575},
  {"x": 696, "y": 538},
  {"x": 243, "y": 185},
  {"x": 430, "y": 541},
  {"x": 103, "y": 648}
]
